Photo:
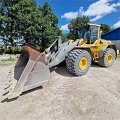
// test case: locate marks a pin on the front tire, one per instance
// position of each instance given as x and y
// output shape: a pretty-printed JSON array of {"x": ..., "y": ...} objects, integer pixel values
[{"x": 78, "y": 62}]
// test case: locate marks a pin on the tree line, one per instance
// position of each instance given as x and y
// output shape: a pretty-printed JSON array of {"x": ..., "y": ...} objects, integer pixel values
[{"x": 36, "y": 24}]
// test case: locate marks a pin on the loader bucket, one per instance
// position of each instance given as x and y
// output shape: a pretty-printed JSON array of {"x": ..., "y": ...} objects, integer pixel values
[{"x": 30, "y": 72}]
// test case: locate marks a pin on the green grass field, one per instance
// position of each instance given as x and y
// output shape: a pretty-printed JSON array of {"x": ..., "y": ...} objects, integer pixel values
[
  {"x": 8, "y": 59},
  {"x": 118, "y": 56}
]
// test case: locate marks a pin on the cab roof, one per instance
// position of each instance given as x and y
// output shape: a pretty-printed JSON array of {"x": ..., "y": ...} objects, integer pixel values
[{"x": 94, "y": 24}]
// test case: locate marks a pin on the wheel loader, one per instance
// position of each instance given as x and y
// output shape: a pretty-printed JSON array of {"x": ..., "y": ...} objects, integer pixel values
[{"x": 32, "y": 68}]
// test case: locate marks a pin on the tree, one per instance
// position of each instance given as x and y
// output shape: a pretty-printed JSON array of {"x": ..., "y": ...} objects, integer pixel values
[
  {"x": 64, "y": 37},
  {"x": 36, "y": 24},
  {"x": 105, "y": 28},
  {"x": 50, "y": 29},
  {"x": 19, "y": 18},
  {"x": 79, "y": 21}
]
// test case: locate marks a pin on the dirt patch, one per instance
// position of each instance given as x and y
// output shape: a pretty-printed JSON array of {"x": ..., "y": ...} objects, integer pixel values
[{"x": 94, "y": 96}]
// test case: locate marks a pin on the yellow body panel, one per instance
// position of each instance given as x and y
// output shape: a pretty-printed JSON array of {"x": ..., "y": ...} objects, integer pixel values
[
  {"x": 57, "y": 59},
  {"x": 95, "y": 48},
  {"x": 70, "y": 41}
]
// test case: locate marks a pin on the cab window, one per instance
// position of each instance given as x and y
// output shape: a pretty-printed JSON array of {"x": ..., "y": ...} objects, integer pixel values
[{"x": 94, "y": 33}]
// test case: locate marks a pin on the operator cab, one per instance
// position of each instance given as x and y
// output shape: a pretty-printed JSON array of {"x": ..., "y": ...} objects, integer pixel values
[{"x": 89, "y": 31}]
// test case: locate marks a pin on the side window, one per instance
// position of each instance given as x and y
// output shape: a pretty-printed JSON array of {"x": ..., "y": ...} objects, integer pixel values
[
  {"x": 81, "y": 34},
  {"x": 94, "y": 33}
]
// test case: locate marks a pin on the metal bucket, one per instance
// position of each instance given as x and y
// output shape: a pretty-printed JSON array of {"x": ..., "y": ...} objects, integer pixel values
[{"x": 30, "y": 72}]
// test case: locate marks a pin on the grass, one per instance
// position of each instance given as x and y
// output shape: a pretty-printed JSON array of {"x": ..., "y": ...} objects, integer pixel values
[
  {"x": 7, "y": 61},
  {"x": 10, "y": 59},
  {"x": 118, "y": 56}
]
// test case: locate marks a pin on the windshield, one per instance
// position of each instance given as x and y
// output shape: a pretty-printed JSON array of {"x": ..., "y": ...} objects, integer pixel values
[
  {"x": 91, "y": 34},
  {"x": 81, "y": 33},
  {"x": 84, "y": 33}
]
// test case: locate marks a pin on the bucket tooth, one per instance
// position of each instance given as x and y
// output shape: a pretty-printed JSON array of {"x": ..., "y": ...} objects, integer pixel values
[
  {"x": 6, "y": 83},
  {"x": 7, "y": 90},
  {"x": 6, "y": 86},
  {"x": 13, "y": 95},
  {"x": 10, "y": 72},
  {"x": 10, "y": 86},
  {"x": 10, "y": 89},
  {"x": 12, "y": 81},
  {"x": 5, "y": 93},
  {"x": 10, "y": 76}
]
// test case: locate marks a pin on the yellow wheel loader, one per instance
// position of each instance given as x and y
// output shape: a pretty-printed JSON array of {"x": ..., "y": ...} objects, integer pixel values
[{"x": 32, "y": 67}]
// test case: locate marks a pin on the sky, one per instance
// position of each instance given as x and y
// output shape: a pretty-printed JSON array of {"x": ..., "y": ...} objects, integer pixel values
[{"x": 98, "y": 11}]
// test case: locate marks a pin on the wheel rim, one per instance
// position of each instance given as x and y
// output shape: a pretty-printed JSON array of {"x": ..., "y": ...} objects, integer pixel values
[
  {"x": 83, "y": 63},
  {"x": 110, "y": 58}
]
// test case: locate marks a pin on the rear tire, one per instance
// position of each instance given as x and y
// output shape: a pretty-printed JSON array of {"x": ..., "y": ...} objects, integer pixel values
[
  {"x": 78, "y": 62},
  {"x": 108, "y": 58}
]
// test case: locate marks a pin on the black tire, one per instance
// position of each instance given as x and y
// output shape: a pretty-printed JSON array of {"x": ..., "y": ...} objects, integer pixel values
[
  {"x": 73, "y": 61},
  {"x": 103, "y": 61}
]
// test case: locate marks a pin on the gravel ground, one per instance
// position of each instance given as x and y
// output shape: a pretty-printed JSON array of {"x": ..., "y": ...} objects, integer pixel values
[{"x": 94, "y": 96}]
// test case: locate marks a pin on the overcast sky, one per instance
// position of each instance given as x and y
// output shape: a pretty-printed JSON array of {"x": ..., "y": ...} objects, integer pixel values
[{"x": 99, "y": 11}]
